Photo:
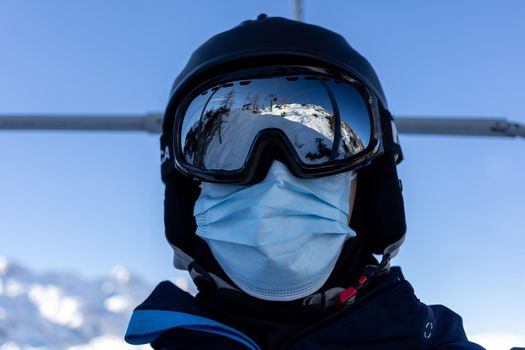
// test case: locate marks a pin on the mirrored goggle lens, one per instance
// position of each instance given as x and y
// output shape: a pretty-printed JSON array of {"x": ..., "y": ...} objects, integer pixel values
[{"x": 324, "y": 120}]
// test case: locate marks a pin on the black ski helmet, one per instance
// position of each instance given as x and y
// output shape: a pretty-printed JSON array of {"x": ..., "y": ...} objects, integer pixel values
[{"x": 378, "y": 214}]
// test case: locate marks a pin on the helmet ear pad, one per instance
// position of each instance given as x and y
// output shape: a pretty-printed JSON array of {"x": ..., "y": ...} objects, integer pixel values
[
  {"x": 180, "y": 196},
  {"x": 378, "y": 214}
]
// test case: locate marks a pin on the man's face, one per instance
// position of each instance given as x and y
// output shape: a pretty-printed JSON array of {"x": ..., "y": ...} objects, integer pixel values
[{"x": 353, "y": 191}]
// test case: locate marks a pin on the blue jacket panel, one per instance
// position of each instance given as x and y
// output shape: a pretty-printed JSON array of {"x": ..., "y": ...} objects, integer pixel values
[{"x": 386, "y": 317}]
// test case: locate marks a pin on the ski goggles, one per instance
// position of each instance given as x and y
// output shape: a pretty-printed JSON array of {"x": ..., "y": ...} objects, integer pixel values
[{"x": 317, "y": 121}]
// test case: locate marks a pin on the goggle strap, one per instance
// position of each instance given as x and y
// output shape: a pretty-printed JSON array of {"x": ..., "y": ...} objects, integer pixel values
[
  {"x": 167, "y": 158},
  {"x": 390, "y": 141},
  {"x": 390, "y": 136}
]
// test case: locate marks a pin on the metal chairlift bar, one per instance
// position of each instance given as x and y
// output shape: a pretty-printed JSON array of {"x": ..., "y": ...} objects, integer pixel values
[
  {"x": 152, "y": 123},
  {"x": 459, "y": 126}
]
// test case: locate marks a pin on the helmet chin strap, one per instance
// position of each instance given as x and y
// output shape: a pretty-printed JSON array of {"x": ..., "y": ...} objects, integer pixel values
[
  {"x": 340, "y": 297},
  {"x": 392, "y": 250},
  {"x": 203, "y": 279}
]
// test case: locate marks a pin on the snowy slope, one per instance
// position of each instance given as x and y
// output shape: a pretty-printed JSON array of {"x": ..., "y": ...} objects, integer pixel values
[
  {"x": 318, "y": 119},
  {"x": 63, "y": 311}
]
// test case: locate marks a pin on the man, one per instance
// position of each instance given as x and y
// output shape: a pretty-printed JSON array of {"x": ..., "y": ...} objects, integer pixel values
[{"x": 279, "y": 159}]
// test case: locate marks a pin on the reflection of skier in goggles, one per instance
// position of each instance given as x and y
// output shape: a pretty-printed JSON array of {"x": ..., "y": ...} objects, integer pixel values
[{"x": 279, "y": 160}]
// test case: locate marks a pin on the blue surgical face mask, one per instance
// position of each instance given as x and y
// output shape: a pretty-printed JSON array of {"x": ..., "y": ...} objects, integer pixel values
[{"x": 278, "y": 239}]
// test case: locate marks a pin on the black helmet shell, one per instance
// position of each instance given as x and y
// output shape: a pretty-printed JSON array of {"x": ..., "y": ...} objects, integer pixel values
[{"x": 267, "y": 39}]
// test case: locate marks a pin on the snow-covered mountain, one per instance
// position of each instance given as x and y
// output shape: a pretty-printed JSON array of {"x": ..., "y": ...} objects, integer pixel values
[
  {"x": 319, "y": 119},
  {"x": 62, "y": 311}
]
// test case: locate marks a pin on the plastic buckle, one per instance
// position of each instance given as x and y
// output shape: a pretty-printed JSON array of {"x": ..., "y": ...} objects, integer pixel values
[
  {"x": 347, "y": 296},
  {"x": 201, "y": 278}
]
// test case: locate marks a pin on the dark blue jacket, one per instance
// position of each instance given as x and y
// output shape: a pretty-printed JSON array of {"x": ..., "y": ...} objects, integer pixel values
[{"x": 389, "y": 316}]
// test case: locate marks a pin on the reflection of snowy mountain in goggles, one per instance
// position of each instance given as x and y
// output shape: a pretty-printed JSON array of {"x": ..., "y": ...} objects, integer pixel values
[
  {"x": 323, "y": 120},
  {"x": 320, "y": 120}
]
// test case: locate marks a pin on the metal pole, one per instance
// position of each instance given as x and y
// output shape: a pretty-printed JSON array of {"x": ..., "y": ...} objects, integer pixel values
[
  {"x": 298, "y": 10},
  {"x": 459, "y": 126},
  {"x": 152, "y": 123}
]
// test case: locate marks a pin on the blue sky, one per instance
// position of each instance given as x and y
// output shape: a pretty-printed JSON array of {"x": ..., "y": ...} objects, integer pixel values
[{"x": 88, "y": 201}]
